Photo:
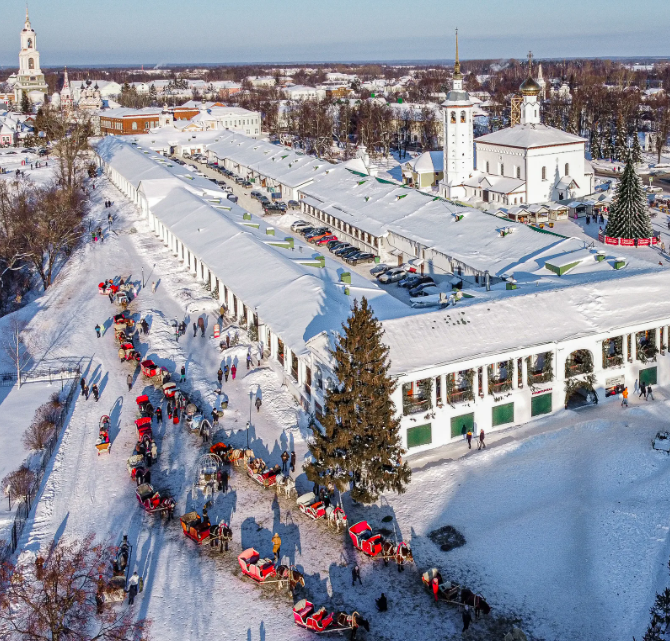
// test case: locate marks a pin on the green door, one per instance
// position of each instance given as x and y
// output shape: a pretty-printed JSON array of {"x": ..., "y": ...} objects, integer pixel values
[
  {"x": 457, "y": 423},
  {"x": 419, "y": 435},
  {"x": 540, "y": 404},
  {"x": 503, "y": 414},
  {"x": 648, "y": 376}
]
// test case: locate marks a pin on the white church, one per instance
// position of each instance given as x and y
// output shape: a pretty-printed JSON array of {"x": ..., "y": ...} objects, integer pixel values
[
  {"x": 30, "y": 79},
  {"x": 527, "y": 163}
]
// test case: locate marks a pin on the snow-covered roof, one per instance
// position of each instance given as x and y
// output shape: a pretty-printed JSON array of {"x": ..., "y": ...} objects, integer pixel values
[
  {"x": 479, "y": 329},
  {"x": 529, "y": 136},
  {"x": 427, "y": 162},
  {"x": 124, "y": 112}
]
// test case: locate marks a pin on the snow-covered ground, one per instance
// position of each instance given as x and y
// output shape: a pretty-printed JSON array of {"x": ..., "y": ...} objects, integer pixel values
[{"x": 566, "y": 524}]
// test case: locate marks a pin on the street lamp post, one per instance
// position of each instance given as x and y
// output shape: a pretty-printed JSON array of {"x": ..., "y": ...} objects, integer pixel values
[
  {"x": 142, "y": 276},
  {"x": 251, "y": 397}
]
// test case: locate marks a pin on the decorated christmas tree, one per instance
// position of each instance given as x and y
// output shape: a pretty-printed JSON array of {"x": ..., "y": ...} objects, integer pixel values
[
  {"x": 358, "y": 444},
  {"x": 629, "y": 217}
]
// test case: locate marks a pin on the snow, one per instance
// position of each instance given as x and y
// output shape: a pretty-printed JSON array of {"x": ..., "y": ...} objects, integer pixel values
[{"x": 529, "y": 136}]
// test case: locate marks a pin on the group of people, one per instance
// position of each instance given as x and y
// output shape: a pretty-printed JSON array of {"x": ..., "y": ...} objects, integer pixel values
[
  {"x": 85, "y": 391},
  {"x": 468, "y": 436}
]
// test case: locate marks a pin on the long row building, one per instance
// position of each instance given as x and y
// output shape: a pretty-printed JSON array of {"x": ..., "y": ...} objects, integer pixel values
[{"x": 543, "y": 321}]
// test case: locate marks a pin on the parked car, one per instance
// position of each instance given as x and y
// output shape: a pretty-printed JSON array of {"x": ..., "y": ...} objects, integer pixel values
[
  {"x": 232, "y": 198},
  {"x": 334, "y": 244},
  {"x": 427, "y": 301},
  {"x": 411, "y": 280},
  {"x": 393, "y": 275},
  {"x": 298, "y": 224},
  {"x": 318, "y": 237},
  {"x": 414, "y": 291},
  {"x": 362, "y": 257},
  {"x": 281, "y": 205},
  {"x": 246, "y": 184},
  {"x": 379, "y": 269},
  {"x": 415, "y": 280},
  {"x": 293, "y": 204},
  {"x": 318, "y": 232},
  {"x": 271, "y": 207},
  {"x": 326, "y": 239},
  {"x": 239, "y": 180},
  {"x": 348, "y": 253},
  {"x": 426, "y": 291},
  {"x": 255, "y": 194},
  {"x": 264, "y": 199},
  {"x": 345, "y": 248}
]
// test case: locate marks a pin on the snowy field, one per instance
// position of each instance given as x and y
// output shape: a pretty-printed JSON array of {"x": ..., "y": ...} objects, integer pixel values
[{"x": 566, "y": 526}]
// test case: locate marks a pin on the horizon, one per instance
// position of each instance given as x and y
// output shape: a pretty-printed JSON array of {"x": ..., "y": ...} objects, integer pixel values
[{"x": 168, "y": 35}]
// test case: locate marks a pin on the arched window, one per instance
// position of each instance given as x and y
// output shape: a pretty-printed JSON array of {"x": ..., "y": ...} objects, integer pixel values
[
  {"x": 544, "y": 173},
  {"x": 463, "y": 116},
  {"x": 567, "y": 169},
  {"x": 453, "y": 117},
  {"x": 31, "y": 63}
]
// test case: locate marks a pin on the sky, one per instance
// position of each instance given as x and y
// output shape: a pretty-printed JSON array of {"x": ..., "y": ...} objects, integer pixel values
[{"x": 79, "y": 32}]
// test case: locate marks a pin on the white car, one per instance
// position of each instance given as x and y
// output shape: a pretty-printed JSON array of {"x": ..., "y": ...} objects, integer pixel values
[
  {"x": 393, "y": 275},
  {"x": 378, "y": 270}
]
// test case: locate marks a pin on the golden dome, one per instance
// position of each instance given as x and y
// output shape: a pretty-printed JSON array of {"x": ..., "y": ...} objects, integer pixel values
[{"x": 529, "y": 87}]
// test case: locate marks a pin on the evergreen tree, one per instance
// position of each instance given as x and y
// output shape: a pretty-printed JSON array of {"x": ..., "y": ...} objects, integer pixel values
[
  {"x": 629, "y": 217},
  {"x": 660, "y": 615},
  {"x": 153, "y": 94},
  {"x": 359, "y": 443},
  {"x": 608, "y": 147},
  {"x": 620, "y": 146},
  {"x": 636, "y": 151},
  {"x": 596, "y": 148},
  {"x": 26, "y": 104}
]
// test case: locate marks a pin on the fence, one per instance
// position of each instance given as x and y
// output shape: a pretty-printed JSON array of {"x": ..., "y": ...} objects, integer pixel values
[
  {"x": 46, "y": 375},
  {"x": 24, "y": 507}
]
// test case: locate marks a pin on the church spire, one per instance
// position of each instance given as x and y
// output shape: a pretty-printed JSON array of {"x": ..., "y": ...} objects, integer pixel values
[
  {"x": 457, "y": 64},
  {"x": 27, "y": 17}
]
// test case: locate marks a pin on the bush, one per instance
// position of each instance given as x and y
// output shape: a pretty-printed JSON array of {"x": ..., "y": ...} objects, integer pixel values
[
  {"x": 38, "y": 434},
  {"x": 18, "y": 483}
]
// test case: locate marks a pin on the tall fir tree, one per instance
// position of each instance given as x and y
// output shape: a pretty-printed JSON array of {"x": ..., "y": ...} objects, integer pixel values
[
  {"x": 596, "y": 145},
  {"x": 608, "y": 147},
  {"x": 636, "y": 150},
  {"x": 153, "y": 94},
  {"x": 26, "y": 103},
  {"x": 629, "y": 216},
  {"x": 359, "y": 445},
  {"x": 620, "y": 146}
]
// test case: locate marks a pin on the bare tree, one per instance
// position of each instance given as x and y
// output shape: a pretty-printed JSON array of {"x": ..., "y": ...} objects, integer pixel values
[
  {"x": 59, "y": 597},
  {"x": 17, "y": 484},
  {"x": 43, "y": 427},
  {"x": 14, "y": 346},
  {"x": 661, "y": 109}
]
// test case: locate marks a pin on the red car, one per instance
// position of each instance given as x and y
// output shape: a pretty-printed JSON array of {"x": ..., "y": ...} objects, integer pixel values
[{"x": 325, "y": 239}]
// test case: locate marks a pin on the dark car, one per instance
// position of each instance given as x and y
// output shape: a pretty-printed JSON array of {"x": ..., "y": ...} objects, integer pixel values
[
  {"x": 317, "y": 231},
  {"x": 363, "y": 257},
  {"x": 264, "y": 199},
  {"x": 232, "y": 198},
  {"x": 270, "y": 208},
  {"x": 294, "y": 204},
  {"x": 334, "y": 244},
  {"x": 255, "y": 194},
  {"x": 419, "y": 286},
  {"x": 246, "y": 184},
  {"x": 348, "y": 253},
  {"x": 281, "y": 205}
]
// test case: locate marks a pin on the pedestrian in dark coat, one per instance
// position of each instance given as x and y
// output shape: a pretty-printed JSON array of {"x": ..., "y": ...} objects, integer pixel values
[
  {"x": 464, "y": 431},
  {"x": 82, "y": 383},
  {"x": 94, "y": 391},
  {"x": 183, "y": 374},
  {"x": 195, "y": 330},
  {"x": 355, "y": 574},
  {"x": 467, "y": 618},
  {"x": 129, "y": 381},
  {"x": 215, "y": 416},
  {"x": 226, "y": 370},
  {"x": 97, "y": 330},
  {"x": 159, "y": 415},
  {"x": 86, "y": 391},
  {"x": 284, "y": 461},
  {"x": 219, "y": 375},
  {"x": 227, "y": 340},
  {"x": 481, "y": 445},
  {"x": 292, "y": 461},
  {"x": 249, "y": 360},
  {"x": 259, "y": 402},
  {"x": 201, "y": 325},
  {"x": 643, "y": 390},
  {"x": 111, "y": 297},
  {"x": 382, "y": 603},
  {"x": 224, "y": 481}
]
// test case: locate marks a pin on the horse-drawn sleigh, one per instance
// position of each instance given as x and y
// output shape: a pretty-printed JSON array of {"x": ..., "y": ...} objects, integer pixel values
[
  {"x": 200, "y": 530},
  {"x": 259, "y": 472},
  {"x": 264, "y": 571},
  {"x": 375, "y": 545},
  {"x": 453, "y": 593},
  {"x": 316, "y": 509},
  {"x": 152, "y": 501},
  {"x": 103, "y": 444},
  {"x": 308, "y": 616}
]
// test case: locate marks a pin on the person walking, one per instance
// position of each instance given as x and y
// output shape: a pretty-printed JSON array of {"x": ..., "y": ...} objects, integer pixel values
[
  {"x": 154, "y": 451},
  {"x": 82, "y": 383},
  {"x": 224, "y": 481},
  {"x": 259, "y": 402},
  {"x": 481, "y": 445},
  {"x": 111, "y": 297},
  {"x": 356, "y": 575},
  {"x": 233, "y": 371},
  {"x": 97, "y": 330},
  {"x": 183, "y": 374},
  {"x": 624, "y": 397},
  {"x": 159, "y": 415},
  {"x": 469, "y": 438},
  {"x": 133, "y": 587},
  {"x": 86, "y": 391},
  {"x": 284, "y": 461},
  {"x": 649, "y": 395},
  {"x": 464, "y": 431},
  {"x": 382, "y": 603},
  {"x": 215, "y": 416},
  {"x": 227, "y": 340},
  {"x": 219, "y": 376},
  {"x": 435, "y": 585},
  {"x": 249, "y": 359},
  {"x": 467, "y": 617},
  {"x": 292, "y": 461},
  {"x": 153, "y": 287},
  {"x": 201, "y": 326},
  {"x": 276, "y": 546},
  {"x": 226, "y": 370},
  {"x": 643, "y": 391},
  {"x": 195, "y": 330}
]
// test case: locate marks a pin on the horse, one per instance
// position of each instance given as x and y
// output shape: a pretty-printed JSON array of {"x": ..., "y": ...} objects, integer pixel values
[
  {"x": 401, "y": 553},
  {"x": 336, "y": 517},
  {"x": 224, "y": 534},
  {"x": 468, "y": 597},
  {"x": 291, "y": 576},
  {"x": 285, "y": 485}
]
